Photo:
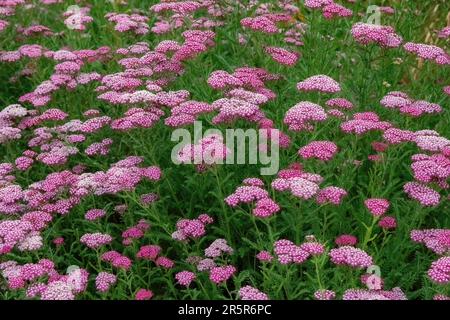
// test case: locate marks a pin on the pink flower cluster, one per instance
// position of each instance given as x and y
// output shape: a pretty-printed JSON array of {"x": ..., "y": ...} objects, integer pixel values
[
  {"x": 303, "y": 114},
  {"x": 439, "y": 271},
  {"x": 221, "y": 274},
  {"x": 251, "y": 293},
  {"x": 135, "y": 232},
  {"x": 217, "y": 248},
  {"x": 324, "y": 294},
  {"x": 385, "y": 36},
  {"x": 437, "y": 240},
  {"x": 194, "y": 228},
  {"x": 185, "y": 278},
  {"x": 95, "y": 240},
  {"x": 376, "y": 206},
  {"x": 364, "y": 294},
  {"x": 322, "y": 150},
  {"x": 129, "y": 22},
  {"x": 282, "y": 56},
  {"x": 364, "y": 122},
  {"x": 321, "y": 83},
  {"x": 252, "y": 191},
  {"x": 420, "y": 192},
  {"x": 350, "y": 256},
  {"x": 287, "y": 252},
  {"x": 104, "y": 281},
  {"x": 206, "y": 152},
  {"x": 401, "y": 101},
  {"x": 117, "y": 260},
  {"x": 428, "y": 52}
]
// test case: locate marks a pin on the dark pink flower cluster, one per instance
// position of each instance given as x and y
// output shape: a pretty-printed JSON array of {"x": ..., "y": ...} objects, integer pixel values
[
  {"x": 287, "y": 252},
  {"x": 95, "y": 240},
  {"x": 135, "y": 232},
  {"x": 104, "y": 281},
  {"x": 420, "y": 192},
  {"x": 251, "y": 293},
  {"x": 221, "y": 274},
  {"x": 324, "y": 295},
  {"x": 322, "y": 150},
  {"x": 437, "y": 240},
  {"x": 364, "y": 294},
  {"x": 385, "y": 36},
  {"x": 428, "y": 52},
  {"x": 282, "y": 56},
  {"x": 346, "y": 240},
  {"x": 303, "y": 114},
  {"x": 350, "y": 256},
  {"x": 117, "y": 260},
  {"x": 185, "y": 278},
  {"x": 194, "y": 228},
  {"x": 401, "y": 101},
  {"x": 331, "y": 194},
  {"x": 321, "y": 83},
  {"x": 364, "y": 122},
  {"x": 253, "y": 191},
  {"x": 135, "y": 23},
  {"x": 439, "y": 271},
  {"x": 377, "y": 206},
  {"x": 334, "y": 10}
]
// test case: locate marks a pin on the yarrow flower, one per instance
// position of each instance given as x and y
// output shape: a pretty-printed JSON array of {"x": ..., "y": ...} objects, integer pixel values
[
  {"x": 321, "y": 83},
  {"x": 385, "y": 36},
  {"x": 377, "y": 207},
  {"x": 185, "y": 278},
  {"x": 221, "y": 274},
  {"x": 143, "y": 294},
  {"x": 322, "y": 150},
  {"x": 324, "y": 294},
  {"x": 104, "y": 281},
  {"x": 95, "y": 240},
  {"x": 250, "y": 293},
  {"x": 350, "y": 256}
]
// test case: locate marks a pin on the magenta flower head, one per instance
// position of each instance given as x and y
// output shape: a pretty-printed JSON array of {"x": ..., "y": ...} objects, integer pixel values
[
  {"x": 376, "y": 206},
  {"x": 185, "y": 278},
  {"x": 321, "y": 83},
  {"x": 264, "y": 256},
  {"x": 250, "y": 293},
  {"x": 143, "y": 294},
  {"x": 350, "y": 256},
  {"x": 388, "y": 223},
  {"x": 346, "y": 240},
  {"x": 324, "y": 295},
  {"x": 221, "y": 274}
]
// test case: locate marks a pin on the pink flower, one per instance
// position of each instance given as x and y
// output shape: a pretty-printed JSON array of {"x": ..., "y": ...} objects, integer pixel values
[
  {"x": 104, "y": 280},
  {"x": 94, "y": 214},
  {"x": 143, "y": 294},
  {"x": 388, "y": 223},
  {"x": 301, "y": 116},
  {"x": 323, "y": 150},
  {"x": 324, "y": 295},
  {"x": 439, "y": 271},
  {"x": 384, "y": 36},
  {"x": 377, "y": 207},
  {"x": 95, "y": 240},
  {"x": 250, "y": 293},
  {"x": 350, "y": 256},
  {"x": 425, "y": 195},
  {"x": 346, "y": 240},
  {"x": 264, "y": 256},
  {"x": 221, "y": 274},
  {"x": 428, "y": 52},
  {"x": 321, "y": 83},
  {"x": 331, "y": 194},
  {"x": 282, "y": 56},
  {"x": 185, "y": 278}
]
